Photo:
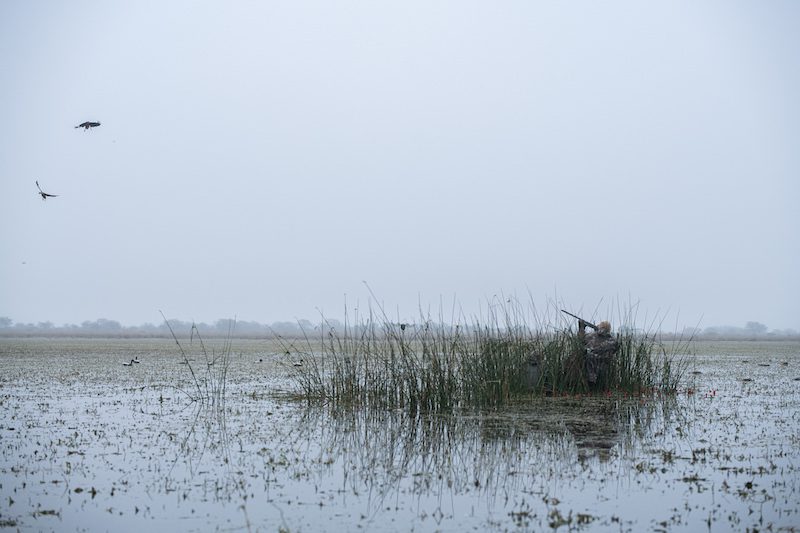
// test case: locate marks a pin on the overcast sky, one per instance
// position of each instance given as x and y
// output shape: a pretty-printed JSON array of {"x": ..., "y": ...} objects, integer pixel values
[{"x": 264, "y": 159}]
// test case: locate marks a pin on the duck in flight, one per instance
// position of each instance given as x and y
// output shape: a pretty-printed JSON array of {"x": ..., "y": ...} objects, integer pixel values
[
  {"x": 87, "y": 125},
  {"x": 43, "y": 194}
]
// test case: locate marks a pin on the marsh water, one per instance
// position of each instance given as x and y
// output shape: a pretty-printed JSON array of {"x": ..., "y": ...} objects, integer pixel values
[{"x": 88, "y": 444}]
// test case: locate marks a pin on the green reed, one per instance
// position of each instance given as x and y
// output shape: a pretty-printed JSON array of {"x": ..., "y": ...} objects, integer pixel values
[
  {"x": 433, "y": 367},
  {"x": 642, "y": 364}
]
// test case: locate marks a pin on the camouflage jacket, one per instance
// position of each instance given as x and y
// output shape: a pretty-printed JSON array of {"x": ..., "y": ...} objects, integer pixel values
[{"x": 601, "y": 346}]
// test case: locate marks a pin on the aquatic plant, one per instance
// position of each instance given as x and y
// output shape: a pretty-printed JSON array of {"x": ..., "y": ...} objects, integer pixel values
[
  {"x": 433, "y": 366},
  {"x": 208, "y": 429},
  {"x": 210, "y": 381}
]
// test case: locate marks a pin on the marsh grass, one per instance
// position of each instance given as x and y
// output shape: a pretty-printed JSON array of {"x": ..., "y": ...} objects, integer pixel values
[
  {"x": 208, "y": 430},
  {"x": 436, "y": 367},
  {"x": 643, "y": 364},
  {"x": 210, "y": 380},
  {"x": 208, "y": 393}
]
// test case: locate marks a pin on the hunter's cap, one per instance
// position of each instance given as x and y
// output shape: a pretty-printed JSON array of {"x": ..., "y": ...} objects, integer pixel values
[{"x": 604, "y": 326}]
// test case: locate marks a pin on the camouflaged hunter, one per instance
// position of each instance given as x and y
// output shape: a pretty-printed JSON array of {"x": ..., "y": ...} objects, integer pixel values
[{"x": 600, "y": 347}]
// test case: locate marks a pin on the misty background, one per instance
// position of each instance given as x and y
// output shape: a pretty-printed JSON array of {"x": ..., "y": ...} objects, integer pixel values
[
  {"x": 306, "y": 329},
  {"x": 263, "y": 159}
]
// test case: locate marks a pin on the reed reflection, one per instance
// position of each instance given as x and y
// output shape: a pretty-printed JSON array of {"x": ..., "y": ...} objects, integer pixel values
[{"x": 522, "y": 447}]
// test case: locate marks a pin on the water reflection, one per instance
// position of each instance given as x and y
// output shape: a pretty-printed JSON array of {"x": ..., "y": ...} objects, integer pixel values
[{"x": 521, "y": 447}]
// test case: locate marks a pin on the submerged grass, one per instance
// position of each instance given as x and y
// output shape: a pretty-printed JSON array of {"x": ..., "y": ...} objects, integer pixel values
[{"x": 436, "y": 367}]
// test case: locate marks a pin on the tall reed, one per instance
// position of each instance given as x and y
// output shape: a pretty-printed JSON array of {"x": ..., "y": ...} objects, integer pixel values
[
  {"x": 208, "y": 393},
  {"x": 431, "y": 366},
  {"x": 210, "y": 380}
]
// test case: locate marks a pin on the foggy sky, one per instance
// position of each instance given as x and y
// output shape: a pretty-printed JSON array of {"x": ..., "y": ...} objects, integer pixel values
[{"x": 263, "y": 159}]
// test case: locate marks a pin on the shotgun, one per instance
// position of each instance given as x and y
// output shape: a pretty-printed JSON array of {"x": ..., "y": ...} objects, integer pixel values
[{"x": 582, "y": 320}]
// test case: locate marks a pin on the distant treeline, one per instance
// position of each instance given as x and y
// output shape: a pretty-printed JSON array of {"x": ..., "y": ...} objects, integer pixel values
[
  {"x": 305, "y": 328},
  {"x": 750, "y": 331},
  {"x": 111, "y": 328}
]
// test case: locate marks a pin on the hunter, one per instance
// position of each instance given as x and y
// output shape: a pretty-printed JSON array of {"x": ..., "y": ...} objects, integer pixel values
[{"x": 601, "y": 347}]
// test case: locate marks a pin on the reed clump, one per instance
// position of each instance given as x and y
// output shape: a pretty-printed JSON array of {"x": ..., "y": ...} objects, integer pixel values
[
  {"x": 434, "y": 367},
  {"x": 643, "y": 364}
]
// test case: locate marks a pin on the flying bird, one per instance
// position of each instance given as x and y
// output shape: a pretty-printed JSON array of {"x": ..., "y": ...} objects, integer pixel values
[
  {"x": 87, "y": 125},
  {"x": 42, "y": 193}
]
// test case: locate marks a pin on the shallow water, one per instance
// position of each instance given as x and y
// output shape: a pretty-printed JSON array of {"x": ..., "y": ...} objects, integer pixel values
[{"x": 89, "y": 444}]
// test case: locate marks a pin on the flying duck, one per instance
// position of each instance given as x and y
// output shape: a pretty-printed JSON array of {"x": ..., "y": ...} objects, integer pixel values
[
  {"x": 87, "y": 125},
  {"x": 43, "y": 194}
]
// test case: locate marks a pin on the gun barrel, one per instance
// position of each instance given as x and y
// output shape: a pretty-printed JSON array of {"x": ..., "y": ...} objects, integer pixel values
[{"x": 579, "y": 318}]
